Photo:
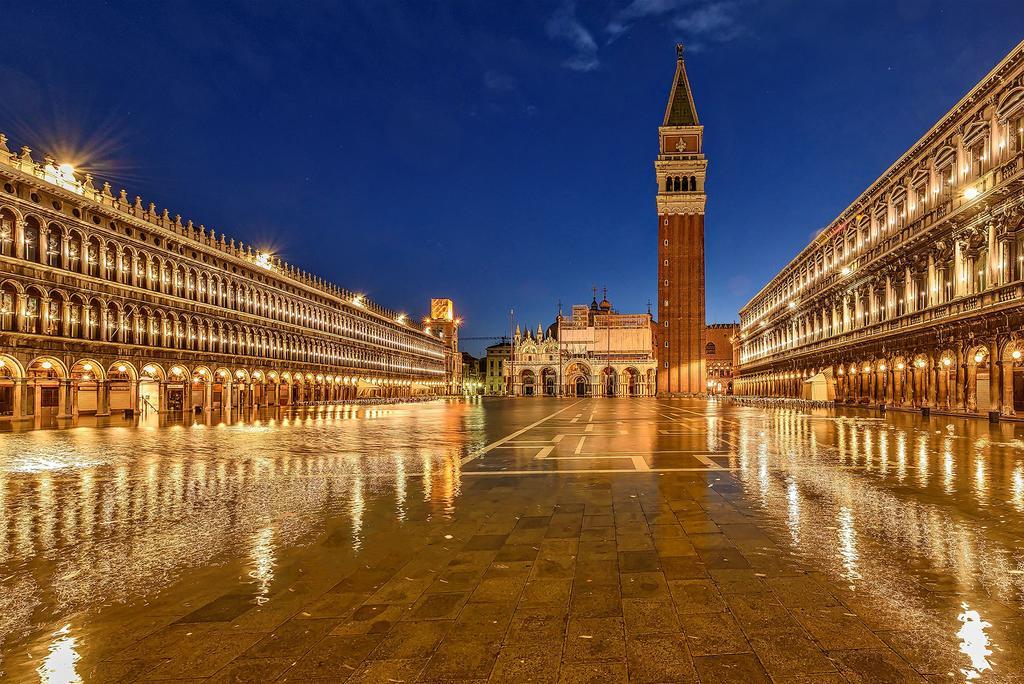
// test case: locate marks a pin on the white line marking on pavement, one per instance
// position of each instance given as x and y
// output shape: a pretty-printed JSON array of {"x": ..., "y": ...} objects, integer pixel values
[
  {"x": 705, "y": 460},
  {"x": 640, "y": 464},
  {"x": 480, "y": 452},
  {"x": 589, "y": 428},
  {"x": 579, "y": 445},
  {"x": 545, "y": 452},
  {"x": 557, "y": 438},
  {"x": 575, "y": 420}
]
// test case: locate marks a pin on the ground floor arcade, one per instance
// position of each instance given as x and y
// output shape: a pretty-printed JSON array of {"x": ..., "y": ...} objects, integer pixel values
[
  {"x": 583, "y": 380},
  {"x": 66, "y": 386},
  {"x": 983, "y": 376}
]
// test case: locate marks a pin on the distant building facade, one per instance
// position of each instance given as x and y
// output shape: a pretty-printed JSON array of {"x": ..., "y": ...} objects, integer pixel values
[
  {"x": 472, "y": 380},
  {"x": 719, "y": 356},
  {"x": 494, "y": 372},
  {"x": 443, "y": 323},
  {"x": 914, "y": 295},
  {"x": 595, "y": 351}
]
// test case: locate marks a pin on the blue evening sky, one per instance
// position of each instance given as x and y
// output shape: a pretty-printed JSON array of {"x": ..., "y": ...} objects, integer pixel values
[{"x": 496, "y": 153}]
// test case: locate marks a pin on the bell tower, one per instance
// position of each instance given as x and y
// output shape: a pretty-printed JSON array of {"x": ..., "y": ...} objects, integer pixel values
[{"x": 680, "y": 170}]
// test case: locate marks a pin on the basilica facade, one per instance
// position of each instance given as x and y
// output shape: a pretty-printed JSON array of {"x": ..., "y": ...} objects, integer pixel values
[
  {"x": 914, "y": 295},
  {"x": 110, "y": 304},
  {"x": 595, "y": 351}
]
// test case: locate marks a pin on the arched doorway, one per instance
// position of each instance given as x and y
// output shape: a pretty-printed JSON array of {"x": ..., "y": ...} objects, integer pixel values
[
  {"x": 549, "y": 381},
  {"x": 46, "y": 376},
  {"x": 581, "y": 386},
  {"x": 87, "y": 376},
  {"x": 608, "y": 384},
  {"x": 149, "y": 387},
  {"x": 527, "y": 382},
  {"x": 10, "y": 370},
  {"x": 979, "y": 397},
  {"x": 632, "y": 382}
]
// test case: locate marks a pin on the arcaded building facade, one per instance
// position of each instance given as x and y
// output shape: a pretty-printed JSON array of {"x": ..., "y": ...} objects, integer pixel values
[
  {"x": 718, "y": 356},
  {"x": 596, "y": 351},
  {"x": 912, "y": 296},
  {"x": 108, "y": 303},
  {"x": 680, "y": 171}
]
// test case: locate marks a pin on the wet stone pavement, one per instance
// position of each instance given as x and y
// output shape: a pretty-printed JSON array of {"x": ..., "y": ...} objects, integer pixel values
[{"x": 543, "y": 540}]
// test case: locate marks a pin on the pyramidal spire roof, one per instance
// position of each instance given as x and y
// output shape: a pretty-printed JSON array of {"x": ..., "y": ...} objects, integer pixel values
[{"x": 680, "y": 110}]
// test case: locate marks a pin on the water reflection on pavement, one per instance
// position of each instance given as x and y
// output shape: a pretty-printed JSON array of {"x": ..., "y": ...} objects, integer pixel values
[{"x": 892, "y": 543}]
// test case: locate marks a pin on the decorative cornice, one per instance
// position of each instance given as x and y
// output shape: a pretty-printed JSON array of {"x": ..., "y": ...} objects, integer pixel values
[{"x": 681, "y": 204}]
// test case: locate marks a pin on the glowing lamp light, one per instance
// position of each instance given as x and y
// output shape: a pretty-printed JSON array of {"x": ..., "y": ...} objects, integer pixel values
[
  {"x": 900, "y": 366},
  {"x": 978, "y": 358},
  {"x": 87, "y": 367},
  {"x": 919, "y": 363},
  {"x": 1015, "y": 354},
  {"x": 971, "y": 193},
  {"x": 946, "y": 362},
  {"x": 846, "y": 270},
  {"x": 47, "y": 365},
  {"x": 881, "y": 367}
]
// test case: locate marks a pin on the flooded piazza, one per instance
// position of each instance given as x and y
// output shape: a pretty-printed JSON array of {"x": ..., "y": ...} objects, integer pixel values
[{"x": 515, "y": 540}]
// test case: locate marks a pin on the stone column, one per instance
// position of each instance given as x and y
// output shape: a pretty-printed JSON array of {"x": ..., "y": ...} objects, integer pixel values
[
  {"x": 20, "y": 399},
  {"x": 65, "y": 401},
  {"x": 909, "y": 291},
  {"x": 103, "y": 398},
  {"x": 991, "y": 272},
  {"x": 958, "y": 270},
  {"x": 995, "y": 375},
  {"x": 208, "y": 396},
  {"x": 932, "y": 296},
  {"x": 1007, "y": 388}
]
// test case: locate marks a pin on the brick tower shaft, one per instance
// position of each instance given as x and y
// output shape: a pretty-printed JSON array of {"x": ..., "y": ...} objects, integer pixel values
[{"x": 681, "y": 169}]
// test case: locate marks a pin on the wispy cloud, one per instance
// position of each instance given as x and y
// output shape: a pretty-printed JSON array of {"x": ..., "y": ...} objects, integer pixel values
[
  {"x": 638, "y": 10},
  {"x": 712, "y": 22},
  {"x": 697, "y": 21},
  {"x": 563, "y": 25}
]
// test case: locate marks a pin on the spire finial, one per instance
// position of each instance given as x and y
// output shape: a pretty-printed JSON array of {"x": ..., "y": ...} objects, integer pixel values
[{"x": 679, "y": 51}]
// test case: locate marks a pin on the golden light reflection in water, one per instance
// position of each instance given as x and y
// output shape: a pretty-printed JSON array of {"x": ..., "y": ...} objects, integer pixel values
[
  {"x": 923, "y": 455},
  {"x": 1018, "y": 488},
  {"x": 59, "y": 665},
  {"x": 848, "y": 543},
  {"x": 901, "y": 455},
  {"x": 357, "y": 507},
  {"x": 947, "y": 465},
  {"x": 981, "y": 478},
  {"x": 974, "y": 643},
  {"x": 793, "y": 496},
  {"x": 263, "y": 559},
  {"x": 400, "y": 495},
  {"x": 117, "y": 513}
]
